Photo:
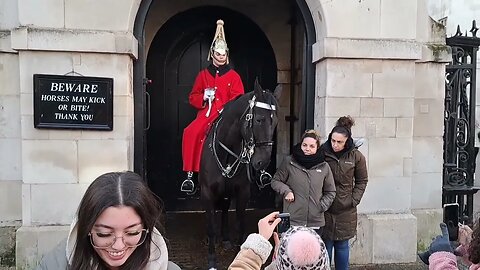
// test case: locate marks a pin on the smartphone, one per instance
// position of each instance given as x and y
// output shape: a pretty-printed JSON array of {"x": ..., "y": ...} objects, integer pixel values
[
  {"x": 450, "y": 217},
  {"x": 284, "y": 225}
]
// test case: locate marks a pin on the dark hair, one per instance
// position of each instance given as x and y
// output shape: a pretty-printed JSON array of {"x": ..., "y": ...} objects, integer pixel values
[
  {"x": 311, "y": 133},
  {"x": 474, "y": 249},
  {"x": 115, "y": 189},
  {"x": 344, "y": 126}
]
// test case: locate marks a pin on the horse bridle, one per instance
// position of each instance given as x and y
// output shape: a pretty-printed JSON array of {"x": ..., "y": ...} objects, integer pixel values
[{"x": 248, "y": 146}]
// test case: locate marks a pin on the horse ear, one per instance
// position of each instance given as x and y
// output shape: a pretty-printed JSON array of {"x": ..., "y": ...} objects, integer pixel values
[
  {"x": 277, "y": 93},
  {"x": 257, "y": 88}
]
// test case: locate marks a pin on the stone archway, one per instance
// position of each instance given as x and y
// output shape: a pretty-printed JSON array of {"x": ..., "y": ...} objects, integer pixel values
[
  {"x": 308, "y": 88},
  {"x": 173, "y": 62}
]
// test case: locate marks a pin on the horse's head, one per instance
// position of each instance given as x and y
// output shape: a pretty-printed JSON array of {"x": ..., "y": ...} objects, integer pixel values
[{"x": 259, "y": 126}]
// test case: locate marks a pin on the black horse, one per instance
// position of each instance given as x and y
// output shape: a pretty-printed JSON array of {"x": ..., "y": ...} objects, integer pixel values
[{"x": 240, "y": 138}]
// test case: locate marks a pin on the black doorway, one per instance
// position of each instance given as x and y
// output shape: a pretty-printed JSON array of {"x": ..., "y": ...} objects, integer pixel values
[{"x": 178, "y": 51}]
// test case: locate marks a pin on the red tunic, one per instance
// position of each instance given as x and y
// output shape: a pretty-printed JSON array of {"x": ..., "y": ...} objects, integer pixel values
[{"x": 228, "y": 85}]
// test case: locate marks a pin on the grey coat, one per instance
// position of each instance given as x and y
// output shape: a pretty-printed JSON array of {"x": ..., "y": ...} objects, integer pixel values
[{"x": 313, "y": 189}]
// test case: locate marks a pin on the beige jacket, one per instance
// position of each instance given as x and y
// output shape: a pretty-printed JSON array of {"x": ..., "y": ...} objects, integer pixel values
[{"x": 253, "y": 253}]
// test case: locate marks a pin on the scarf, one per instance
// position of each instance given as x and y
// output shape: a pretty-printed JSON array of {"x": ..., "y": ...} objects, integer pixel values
[{"x": 307, "y": 161}]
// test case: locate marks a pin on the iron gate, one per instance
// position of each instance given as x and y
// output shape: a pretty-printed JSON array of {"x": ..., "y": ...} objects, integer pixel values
[{"x": 459, "y": 152}]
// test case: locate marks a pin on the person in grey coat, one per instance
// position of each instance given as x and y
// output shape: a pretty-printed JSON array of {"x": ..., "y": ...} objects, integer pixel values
[
  {"x": 116, "y": 227},
  {"x": 306, "y": 183}
]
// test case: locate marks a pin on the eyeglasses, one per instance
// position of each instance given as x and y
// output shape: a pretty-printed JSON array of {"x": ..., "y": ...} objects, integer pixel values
[{"x": 129, "y": 238}]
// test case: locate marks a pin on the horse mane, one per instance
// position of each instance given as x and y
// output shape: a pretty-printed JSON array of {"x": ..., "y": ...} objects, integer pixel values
[{"x": 243, "y": 99}]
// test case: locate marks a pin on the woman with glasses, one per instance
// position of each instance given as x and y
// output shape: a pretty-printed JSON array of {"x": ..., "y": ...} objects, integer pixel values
[{"x": 117, "y": 227}]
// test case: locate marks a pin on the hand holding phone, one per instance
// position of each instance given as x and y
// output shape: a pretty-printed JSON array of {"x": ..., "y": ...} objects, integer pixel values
[
  {"x": 268, "y": 224},
  {"x": 450, "y": 218},
  {"x": 464, "y": 235},
  {"x": 284, "y": 224}
]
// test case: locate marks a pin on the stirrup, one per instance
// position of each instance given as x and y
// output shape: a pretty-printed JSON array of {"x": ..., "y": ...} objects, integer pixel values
[{"x": 187, "y": 185}]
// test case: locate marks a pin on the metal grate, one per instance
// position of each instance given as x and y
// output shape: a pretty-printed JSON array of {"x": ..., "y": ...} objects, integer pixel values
[{"x": 459, "y": 134}]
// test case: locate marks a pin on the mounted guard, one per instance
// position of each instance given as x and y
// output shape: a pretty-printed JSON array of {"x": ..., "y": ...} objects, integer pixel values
[{"x": 214, "y": 86}]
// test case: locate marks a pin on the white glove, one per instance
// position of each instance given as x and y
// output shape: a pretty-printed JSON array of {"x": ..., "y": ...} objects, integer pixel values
[{"x": 209, "y": 94}]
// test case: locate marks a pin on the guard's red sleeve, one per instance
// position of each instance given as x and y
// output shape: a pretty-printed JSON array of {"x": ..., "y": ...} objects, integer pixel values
[{"x": 196, "y": 96}]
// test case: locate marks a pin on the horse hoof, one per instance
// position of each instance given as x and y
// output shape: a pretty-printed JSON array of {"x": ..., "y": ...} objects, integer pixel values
[
  {"x": 212, "y": 262},
  {"x": 212, "y": 266},
  {"x": 227, "y": 245}
]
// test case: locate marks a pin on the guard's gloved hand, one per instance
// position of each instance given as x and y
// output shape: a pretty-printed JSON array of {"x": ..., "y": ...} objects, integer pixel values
[
  {"x": 208, "y": 94},
  {"x": 440, "y": 243}
]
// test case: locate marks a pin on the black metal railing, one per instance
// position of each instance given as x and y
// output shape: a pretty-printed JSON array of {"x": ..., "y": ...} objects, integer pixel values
[{"x": 459, "y": 152}]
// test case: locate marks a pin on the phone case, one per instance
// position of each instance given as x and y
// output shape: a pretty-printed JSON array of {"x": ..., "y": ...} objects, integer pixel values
[
  {"x": 284, "y": 225},
  {"x": 451, "y": 219}
]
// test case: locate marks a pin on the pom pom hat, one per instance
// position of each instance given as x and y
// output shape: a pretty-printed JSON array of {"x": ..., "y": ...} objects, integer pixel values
[{"x": 302, "y": 248}]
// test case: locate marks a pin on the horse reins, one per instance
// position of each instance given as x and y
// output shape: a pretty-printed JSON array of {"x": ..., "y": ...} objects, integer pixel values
[{"x": 248, "y": 147}]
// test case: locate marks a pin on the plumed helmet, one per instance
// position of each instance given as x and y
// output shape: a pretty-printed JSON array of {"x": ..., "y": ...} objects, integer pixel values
[{"x": 219, "y": 43}]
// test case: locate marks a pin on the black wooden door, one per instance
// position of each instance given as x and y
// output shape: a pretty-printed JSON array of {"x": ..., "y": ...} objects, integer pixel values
[{"x": 178, "y": 52}]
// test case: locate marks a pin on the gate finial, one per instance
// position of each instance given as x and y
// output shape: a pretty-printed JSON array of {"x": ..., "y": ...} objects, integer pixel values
[
  {"x": 474, "y": 28},
  {"x": 459, "y": 32}
]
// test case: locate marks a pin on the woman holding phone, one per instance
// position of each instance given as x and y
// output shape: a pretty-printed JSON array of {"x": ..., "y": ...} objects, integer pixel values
[{"x": 441, "y": 256}]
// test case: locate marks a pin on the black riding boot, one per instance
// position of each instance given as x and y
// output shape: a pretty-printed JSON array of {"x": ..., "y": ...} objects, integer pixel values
[{"x": 187, "y": 185}]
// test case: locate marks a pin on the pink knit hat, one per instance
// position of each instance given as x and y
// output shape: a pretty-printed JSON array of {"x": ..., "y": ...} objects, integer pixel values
[{"x": 302, "y": 248}]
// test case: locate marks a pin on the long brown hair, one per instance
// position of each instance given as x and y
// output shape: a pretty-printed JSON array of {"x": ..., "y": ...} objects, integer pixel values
[{"x": 115, "y": 189}]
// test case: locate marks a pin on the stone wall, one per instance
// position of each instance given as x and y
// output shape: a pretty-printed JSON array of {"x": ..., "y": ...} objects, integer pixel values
[{"x": 386, "y": 71}]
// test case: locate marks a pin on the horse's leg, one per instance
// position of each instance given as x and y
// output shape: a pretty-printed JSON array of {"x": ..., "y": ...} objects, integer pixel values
[
  {"x": 208, "y": 200},
  {"x": 243, "y": 196},
  {"x": 212, "y": 258},
  {"x": 225, "y": 228}
]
